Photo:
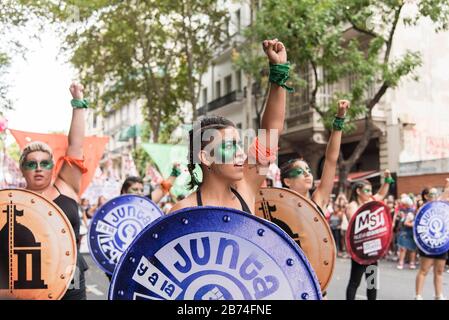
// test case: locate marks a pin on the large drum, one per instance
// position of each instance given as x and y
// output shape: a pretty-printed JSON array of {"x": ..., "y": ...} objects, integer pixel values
[
  {"x": 431, "y": 228},
  {"x": 369, "y": 233},
  {"x": 300, "y": 219},
  {"x": 213, "y": 253},
  {"x": 37, "y": 247},
  {"x": 116, "y": 224}
]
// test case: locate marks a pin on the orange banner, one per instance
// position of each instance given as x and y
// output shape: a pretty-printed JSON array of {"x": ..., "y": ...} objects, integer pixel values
[{"x": 93, "y": 149}]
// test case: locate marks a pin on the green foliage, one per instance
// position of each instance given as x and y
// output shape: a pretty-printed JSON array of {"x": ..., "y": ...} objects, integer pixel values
[
  {"x": 149, "y": 51},
  {"x": 141, "y": 159},
  {"x": 316, "y": 35},
  {"x": 15, "y": 16},
  {"x": 5, "y": 102},
  {"x": 127, "y": 53},
  {"x": 13, "y": 151}
]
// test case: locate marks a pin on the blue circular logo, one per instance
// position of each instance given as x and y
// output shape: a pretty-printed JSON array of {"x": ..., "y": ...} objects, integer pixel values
[
  {"x": 115, "y": 226},
  {"x": 431, "y": 228},
  {"x": 211, "y": 253}
]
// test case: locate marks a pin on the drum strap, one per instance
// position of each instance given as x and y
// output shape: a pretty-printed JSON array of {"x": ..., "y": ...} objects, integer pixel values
[
  {"x": 245, "y": 207},
  {"x": 318, "y": 207}
]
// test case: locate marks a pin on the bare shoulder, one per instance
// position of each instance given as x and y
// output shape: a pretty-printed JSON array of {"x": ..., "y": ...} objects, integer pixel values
[
  {"x": 351, "y": 209},
  {"x": 66, "y": 189},
  {"x": 187, "y": 202},
  {"x": 247, "y": 192},
  {"x": 352, "y": 205}
]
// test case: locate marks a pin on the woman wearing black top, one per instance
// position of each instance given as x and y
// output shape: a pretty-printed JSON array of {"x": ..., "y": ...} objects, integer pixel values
[
  {"x": 36, "y": 163},
  {"x": 296, "y": 173},
  {"x": 362, "y": 192},
  {"x": 230, "y": 179}
]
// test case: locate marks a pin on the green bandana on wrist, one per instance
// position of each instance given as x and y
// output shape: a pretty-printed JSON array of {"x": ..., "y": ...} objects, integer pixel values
[
  {"x": 389, "y": 180},
  {"x": 279, "y": 74},
  {"x": 338, "y": 123},
  {"x": 80, "y": 104},
  {"x": 175, "y": 172}
]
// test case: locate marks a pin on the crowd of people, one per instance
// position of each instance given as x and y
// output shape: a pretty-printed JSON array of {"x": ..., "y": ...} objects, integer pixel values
[
  {"x": 403, "y": 248},
  {"x": 403, "y": 211},
  {"x": 232, "y": 178}
]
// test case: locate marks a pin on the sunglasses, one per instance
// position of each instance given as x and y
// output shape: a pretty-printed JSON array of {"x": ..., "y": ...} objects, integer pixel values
[
  {"x": 296, "y": 172},
  {"x": 367, "y": 190},
  {"x": 33, "y": 165}
]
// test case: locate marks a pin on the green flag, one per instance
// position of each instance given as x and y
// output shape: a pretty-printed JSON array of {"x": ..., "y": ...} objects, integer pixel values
[{"x": 164, "y": 156}]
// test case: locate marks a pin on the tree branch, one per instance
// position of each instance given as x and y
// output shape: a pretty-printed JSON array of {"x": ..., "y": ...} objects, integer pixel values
[
  {"x": 363, "y": 143},
  {"x": 315, "y": 91},
  {"x": 391, "y": 35},
  {"x": 359, "y": 29},
  {"x": 370, "y": 105}
]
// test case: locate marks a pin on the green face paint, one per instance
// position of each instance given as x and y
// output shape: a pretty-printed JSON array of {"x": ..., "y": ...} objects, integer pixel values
[
  {"x": 296, "y": 172},
  {"x": 33, "y": 165},
  {"x": 228, "y": 150}
]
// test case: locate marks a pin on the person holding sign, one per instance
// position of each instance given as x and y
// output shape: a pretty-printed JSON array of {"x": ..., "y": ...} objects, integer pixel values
[
  {"x": 362, "y": 193},
  {"x": 427, "y": 260}
]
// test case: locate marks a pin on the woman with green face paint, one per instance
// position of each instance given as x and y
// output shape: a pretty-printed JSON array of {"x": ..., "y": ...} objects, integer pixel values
[
  {"x": 230, "y": 178},
  {"x": 297, "y": 175},
  {"x": 362, "y": 192}
]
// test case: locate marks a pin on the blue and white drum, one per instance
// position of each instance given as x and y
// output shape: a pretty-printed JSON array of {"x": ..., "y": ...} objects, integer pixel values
[
  {"x": 116, "y": 224},
  {"x": 431, "y": 228},
  {"x": 213, "y": 253}
]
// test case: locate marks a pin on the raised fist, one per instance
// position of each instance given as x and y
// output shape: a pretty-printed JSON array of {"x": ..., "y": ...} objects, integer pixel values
[
  {"x": 275, "y": 51},
  {"x": 343, "y": 106},
  {"x": 77, "y": 91}
]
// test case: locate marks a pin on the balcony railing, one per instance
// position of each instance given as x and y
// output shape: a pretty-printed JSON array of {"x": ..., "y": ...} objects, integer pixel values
[
  {"x": 222, "y": 101},
  {"x": 299, "y": 120}
]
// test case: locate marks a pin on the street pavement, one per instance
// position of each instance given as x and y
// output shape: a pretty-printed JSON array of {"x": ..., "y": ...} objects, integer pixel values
[{"x": 394, "y": 284}]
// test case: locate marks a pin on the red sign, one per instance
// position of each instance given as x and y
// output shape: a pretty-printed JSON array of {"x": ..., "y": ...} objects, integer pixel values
[
  {"x": 93, "y": 148},
  {"x": 369, "y": 233}
]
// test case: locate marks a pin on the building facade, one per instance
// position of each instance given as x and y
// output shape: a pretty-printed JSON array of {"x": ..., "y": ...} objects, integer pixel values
[
  {"x": 123, "y": 127},
  {"x": 411, "y": 136}
]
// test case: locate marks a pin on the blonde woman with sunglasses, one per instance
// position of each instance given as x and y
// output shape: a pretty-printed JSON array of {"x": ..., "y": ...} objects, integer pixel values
[
  {"x": 362, "y": 192},
  {"x": 36, "y": 164}
]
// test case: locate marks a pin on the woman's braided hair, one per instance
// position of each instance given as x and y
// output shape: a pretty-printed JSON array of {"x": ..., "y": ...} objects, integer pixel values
[{"x": 206, "y": 122}]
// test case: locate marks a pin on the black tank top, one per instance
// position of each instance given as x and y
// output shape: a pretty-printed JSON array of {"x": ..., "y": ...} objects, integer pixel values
[
  {"x": 70, "y": 207},
  {"x": 245, "y": 207},
  {"x": 318, "y": 207}
]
